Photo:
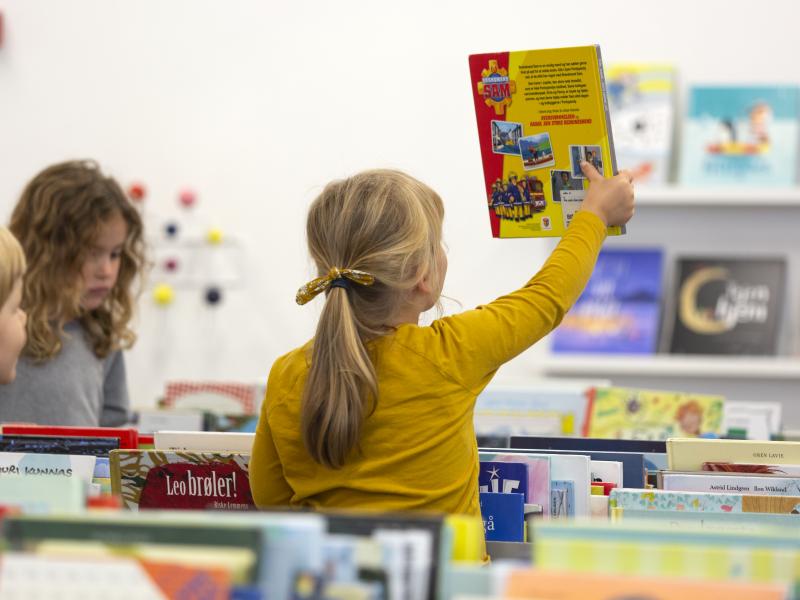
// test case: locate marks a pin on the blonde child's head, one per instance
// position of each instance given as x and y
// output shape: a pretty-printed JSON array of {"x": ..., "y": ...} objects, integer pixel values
[
  {"x": 83, "y": 240},
  {"x": 12, "y": 317},
  {"x": 386, "y": 226}
]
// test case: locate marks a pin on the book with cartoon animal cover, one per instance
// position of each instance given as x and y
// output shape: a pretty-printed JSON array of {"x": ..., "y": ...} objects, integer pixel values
[
  {"x": 540, "y": 113},
  {"x": 641, "y": 98},
  {"x": 736, "y": 135}
]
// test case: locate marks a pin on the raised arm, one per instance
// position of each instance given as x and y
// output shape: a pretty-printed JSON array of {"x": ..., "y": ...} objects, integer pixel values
[{"x": 475, "y": 343}]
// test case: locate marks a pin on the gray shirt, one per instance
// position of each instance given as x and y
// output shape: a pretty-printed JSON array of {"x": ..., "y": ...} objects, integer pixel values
[{"x": 74, "y": 388}]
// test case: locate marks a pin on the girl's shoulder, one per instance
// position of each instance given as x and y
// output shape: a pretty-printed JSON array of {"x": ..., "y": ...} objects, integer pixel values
[{"x": 287, "y": 370}]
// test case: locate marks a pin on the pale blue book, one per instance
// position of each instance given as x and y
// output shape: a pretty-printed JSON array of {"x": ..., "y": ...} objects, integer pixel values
[{"x": 42, "y": 494}]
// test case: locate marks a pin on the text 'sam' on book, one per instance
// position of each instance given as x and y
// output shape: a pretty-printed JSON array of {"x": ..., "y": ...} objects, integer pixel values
[
  {"x": 539, "y": 114},
  {"x": 726, "y": 305}
]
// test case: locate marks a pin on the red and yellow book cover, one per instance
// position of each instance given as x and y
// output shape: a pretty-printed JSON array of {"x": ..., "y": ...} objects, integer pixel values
[{"x": 540, "y": 113}]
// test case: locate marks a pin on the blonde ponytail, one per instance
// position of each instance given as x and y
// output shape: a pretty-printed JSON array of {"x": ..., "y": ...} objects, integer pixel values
[{"x": 384, "y": 223}]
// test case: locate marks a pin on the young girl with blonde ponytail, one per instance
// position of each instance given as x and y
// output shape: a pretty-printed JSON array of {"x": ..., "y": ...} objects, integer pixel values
[{"x": 375, "y": 412}]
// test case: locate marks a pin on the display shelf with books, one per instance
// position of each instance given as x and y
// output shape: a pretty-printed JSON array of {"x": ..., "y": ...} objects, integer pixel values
[
  {"x": 688, "y": 197},
  {"x": 675, "y": 365}
]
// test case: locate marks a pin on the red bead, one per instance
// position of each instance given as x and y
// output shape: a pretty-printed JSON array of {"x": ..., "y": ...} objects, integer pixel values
[{"x": 137, "y": 192}]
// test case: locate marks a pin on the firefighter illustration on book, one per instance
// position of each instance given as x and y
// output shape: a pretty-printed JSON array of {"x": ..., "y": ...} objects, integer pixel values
[
  {"x": 517, "y": 199},
  {"x": 498, "y": 197}
]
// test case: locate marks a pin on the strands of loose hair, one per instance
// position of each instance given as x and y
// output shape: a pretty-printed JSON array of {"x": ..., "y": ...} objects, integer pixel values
[{"x": 12, "y": 263}]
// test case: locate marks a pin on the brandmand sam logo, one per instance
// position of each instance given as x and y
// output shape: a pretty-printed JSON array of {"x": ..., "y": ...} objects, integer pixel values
[{"x": 496, "y": 88}]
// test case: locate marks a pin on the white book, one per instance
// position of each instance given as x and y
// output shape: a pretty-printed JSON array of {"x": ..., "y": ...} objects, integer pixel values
[
  {"x": 209, "y": 441},
  {"x": 151, "y": 421},
  {"x": 750, "y": 485},
  {"x": 609, "y": 471},
  {"x": 761, "y": 419}
]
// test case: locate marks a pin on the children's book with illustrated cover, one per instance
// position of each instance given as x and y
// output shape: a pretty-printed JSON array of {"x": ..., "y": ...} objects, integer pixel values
[
  {"x": 537, "y": 477},
  {"x": 181, "y": 480},
  {"x": 567, "y": 472},
  {"x": 540, "y": 113},
  {"x": 760, "y": 555},
  {"x": 728, "y": 305},
  {"x": 685, "y": 501},
  {"x": 741, "y": 136},
  {"x": 619, "y": 311},
  {"x": 71, "y": 577},
  {"x": 42, "y": 494},
  {"x": 641, "y": 99},
  {"x": 79, "y": 466},
  {"x": 527, "y": 410},
  {"x": 690, "y": 454},
  {"x": 503, "y": 517},
  {"x": 503, "y": 478},
  {"x": 650, "y": 414},
  {"x": 571, "y": 585},
  {"x": 754, "y": 484}
]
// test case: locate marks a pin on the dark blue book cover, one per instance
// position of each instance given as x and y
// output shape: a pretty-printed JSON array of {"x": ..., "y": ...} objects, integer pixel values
[
  {"x": 619, "y": 311},
  {"x": 43, "y": 444},
  {"x": 503, "y": 478},
  {"x": 503, "y": 517}
]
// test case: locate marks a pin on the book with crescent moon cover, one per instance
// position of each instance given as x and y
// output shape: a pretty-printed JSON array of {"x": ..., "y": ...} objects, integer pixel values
[{"x": 728, "y": 305}]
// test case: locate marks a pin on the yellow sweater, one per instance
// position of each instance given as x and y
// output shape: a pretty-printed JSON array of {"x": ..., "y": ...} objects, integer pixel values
[{"x": 418, "y": 449}]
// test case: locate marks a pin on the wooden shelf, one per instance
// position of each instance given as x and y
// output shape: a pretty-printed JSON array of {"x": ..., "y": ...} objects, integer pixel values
[
  {"x": 705, "y": 197},
  {"x": 673, "y": 365}
]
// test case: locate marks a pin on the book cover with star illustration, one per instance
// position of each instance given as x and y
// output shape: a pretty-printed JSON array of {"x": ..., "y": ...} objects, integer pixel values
[
  {"x": 627, "y": 413},
  {"x": 540, "y": 113}
]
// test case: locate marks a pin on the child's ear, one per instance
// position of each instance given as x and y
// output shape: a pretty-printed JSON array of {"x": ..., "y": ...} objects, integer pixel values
[{"x": 424, "y": 285}]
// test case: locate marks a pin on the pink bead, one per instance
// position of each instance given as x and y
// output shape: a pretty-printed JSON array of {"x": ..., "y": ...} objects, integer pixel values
[{"x": 188, "y": 198}]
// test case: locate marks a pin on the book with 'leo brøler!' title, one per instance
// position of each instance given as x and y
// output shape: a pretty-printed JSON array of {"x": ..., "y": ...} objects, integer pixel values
[
  {"x": 540, "y": 113},
  {"x": 181, "y": 480}
]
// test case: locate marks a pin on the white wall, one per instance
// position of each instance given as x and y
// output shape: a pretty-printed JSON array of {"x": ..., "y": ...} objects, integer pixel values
[{"x": 257, "y": 104}]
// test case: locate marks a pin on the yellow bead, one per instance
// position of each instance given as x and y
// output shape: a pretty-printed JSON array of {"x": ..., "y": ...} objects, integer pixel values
[
  {"x": 163, "y": 294},
  {"x": 214, "y": 236}
]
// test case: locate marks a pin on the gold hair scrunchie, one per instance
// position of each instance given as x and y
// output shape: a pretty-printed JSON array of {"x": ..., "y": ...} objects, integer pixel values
[{"x": 316, "y": 286}]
